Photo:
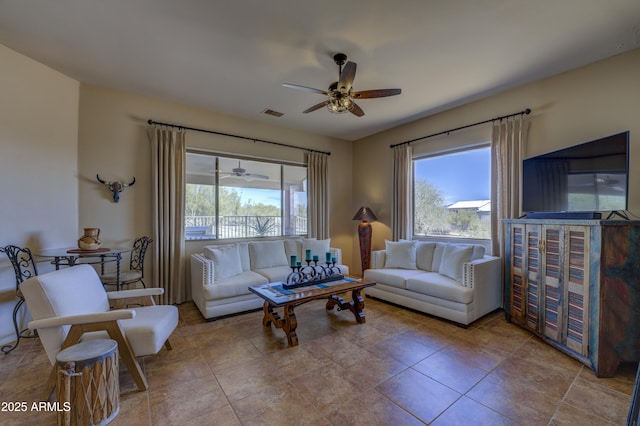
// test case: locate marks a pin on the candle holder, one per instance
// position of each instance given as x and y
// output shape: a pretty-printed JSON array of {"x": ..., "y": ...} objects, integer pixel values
[{"x": 312, "y": 273}]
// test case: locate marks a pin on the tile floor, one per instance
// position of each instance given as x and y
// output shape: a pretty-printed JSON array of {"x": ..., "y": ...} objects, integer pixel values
[{"x": 400, "y": 368}]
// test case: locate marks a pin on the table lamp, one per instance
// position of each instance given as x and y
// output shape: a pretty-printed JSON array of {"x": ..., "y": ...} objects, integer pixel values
[{"x": 365, "y": 215}]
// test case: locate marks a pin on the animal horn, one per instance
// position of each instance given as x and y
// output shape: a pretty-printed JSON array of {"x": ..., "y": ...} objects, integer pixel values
[
  {"x": 102, "y": 181},
  {"x": 130, "y": 183}
]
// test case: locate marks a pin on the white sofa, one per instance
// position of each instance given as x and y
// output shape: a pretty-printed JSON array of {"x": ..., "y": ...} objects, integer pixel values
[
  {"x": 457, "y": 282},
  {"x": 222, "y": 273}
]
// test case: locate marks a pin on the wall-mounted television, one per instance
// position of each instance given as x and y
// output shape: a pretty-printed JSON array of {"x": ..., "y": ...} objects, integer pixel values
[{"x": 589, "y": 177}]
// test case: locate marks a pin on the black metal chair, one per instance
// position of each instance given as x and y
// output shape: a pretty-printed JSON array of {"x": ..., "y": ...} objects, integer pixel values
[
  {"x": 136, "y": 266},
  {"x": 24, "y": 267}
]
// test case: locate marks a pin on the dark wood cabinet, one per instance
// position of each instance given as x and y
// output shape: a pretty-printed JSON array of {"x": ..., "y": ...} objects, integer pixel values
[{"x": 575, "y": 283}]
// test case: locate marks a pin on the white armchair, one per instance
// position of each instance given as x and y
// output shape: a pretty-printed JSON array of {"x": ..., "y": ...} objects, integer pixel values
[{"x": 71, "y": 305}]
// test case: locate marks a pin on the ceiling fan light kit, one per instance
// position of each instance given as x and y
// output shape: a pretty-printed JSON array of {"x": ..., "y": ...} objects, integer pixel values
[
  {"x": 340, "y": 98},
  {"x": 339, "y": 103}
]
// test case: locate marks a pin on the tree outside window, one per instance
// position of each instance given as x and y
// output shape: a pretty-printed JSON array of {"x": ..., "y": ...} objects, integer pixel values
[{"x": 451, "y": 194}]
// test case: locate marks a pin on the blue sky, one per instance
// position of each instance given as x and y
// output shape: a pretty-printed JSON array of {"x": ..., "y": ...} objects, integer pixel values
[{"x": 460, "y": 176}]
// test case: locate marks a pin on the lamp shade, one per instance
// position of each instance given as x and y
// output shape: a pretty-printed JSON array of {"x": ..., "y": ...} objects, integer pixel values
[{"x": 365, "y": 214}]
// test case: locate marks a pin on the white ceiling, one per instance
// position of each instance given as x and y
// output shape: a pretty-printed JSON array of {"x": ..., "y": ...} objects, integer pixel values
[{"x": 232, "y": 57}]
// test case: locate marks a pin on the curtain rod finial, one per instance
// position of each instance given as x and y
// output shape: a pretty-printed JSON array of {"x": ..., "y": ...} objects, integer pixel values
[
  {"x": 527, "y": 111},
  {"x": 150, "y": 121}
]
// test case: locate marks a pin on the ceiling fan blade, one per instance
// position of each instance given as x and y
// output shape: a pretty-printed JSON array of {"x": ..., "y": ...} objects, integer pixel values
[
  {"x": 256, "y": 176},
  {"x": 315, "y": 107},
  {"x": 305, "y": 88},
  {"x": 346, "y": 76},
  {"x": 380, "y": 93},
  {"x": 356, "y": 110}
]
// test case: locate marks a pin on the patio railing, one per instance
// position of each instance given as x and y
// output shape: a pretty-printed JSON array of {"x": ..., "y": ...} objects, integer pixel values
[{"x": 204, "y": 227}]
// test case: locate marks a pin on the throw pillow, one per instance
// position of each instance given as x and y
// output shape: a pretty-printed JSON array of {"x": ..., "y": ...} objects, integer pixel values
[
  {"x": 453, "y": 259},
  {"x": 293, "y": 247},
  {"x": 226, "y": 261},
  {"x": 267, "y": 254},
  {"x": 243, "y": 249},
  {"x": 424, "y": 255},
  {"x": 478, "y": 252},
  {"x": 318, "y": 248},
  {"x": 437, "y": 256},
  {"x": 401, "y": 255}
]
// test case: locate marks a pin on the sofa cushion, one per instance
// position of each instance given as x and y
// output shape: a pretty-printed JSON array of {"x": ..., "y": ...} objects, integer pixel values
[
  {"x": 275, "y": 273},
  {"x": 318, "y": 247},
  {"x": 266, "y": 254},
  {"x": 226, "y": 261},
  {"x": 453, "y": 259},
  {"x": 424, "y": 255},
  {"x": 233, "y": 286},
  {"x": 392, "y": 277},
  {"x": 436, "y": 285},
  {"x": 400, "y": 254}
]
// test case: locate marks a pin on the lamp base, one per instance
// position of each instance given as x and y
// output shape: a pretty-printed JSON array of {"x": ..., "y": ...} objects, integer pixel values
[{"x": 364, "y": 235}]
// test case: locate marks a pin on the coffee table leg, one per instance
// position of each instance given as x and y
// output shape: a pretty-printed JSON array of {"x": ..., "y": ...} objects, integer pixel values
[
  {"x": 268, "y": 314},
  {"x": 357, "y": 306},
  {"x": 289, "y": 325}
]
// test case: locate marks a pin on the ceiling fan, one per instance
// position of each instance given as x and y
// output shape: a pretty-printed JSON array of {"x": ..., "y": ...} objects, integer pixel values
[
  {"x": 340, "y": 97},
  {"x": 242, "y": 173}
]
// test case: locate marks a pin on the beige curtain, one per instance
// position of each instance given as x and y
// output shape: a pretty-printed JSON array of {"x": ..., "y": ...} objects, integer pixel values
[
  {"x": 168, "y": 171},
  {"x": 508, "y": 139},
  {"x": 402, "y": 207},
  {"x": 317, "y": 169}
]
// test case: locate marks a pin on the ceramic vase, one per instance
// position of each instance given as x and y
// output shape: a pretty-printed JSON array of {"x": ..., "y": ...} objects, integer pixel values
[{"x": 90, "y": 240}]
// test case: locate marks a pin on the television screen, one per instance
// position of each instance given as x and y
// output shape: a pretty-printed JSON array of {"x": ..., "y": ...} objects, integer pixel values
[{"x": 589, "y": 177}]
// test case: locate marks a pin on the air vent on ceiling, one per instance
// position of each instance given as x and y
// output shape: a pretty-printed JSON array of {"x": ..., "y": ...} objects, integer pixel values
[{"x": 272, "y": 112}]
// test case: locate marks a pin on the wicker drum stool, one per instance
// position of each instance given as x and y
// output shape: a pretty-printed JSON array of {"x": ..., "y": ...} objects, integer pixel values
[{"x": 88, "y": 383}]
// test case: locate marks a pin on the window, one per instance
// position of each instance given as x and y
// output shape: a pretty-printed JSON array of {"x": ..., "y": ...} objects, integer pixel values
[
  {"x": 242, "y": 198},
  {"x": 452, "y": 194}
]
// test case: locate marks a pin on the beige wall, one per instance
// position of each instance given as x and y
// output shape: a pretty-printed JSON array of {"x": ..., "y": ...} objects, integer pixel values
[
  {"x": 38, "y": 165},
  {"x": 113, "y": 142},
  {"x": 594, "y": 101}
]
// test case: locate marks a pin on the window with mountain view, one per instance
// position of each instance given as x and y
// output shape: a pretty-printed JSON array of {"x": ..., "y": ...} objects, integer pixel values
[
  {"x": 240, "y": 198},
  {"x": 452, "y": 194}
]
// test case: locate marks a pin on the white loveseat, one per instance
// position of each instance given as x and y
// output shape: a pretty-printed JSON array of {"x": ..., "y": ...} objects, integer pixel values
[
  {"x": 457, "y": 282},
  {"x": 222, "y": 273}
]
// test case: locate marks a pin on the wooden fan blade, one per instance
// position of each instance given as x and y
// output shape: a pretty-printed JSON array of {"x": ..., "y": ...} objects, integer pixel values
[
  {"x": 305, "y": 88},
  {"x": 380, "y": 93},
  {"x": 347, "y": 76},
  {"x": 356, "y": 110},
  {"x": 315, "y": 107}
]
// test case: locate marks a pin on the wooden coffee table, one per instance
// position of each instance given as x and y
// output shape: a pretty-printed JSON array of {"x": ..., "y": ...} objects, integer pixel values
[{"x": 275, "y": 296}]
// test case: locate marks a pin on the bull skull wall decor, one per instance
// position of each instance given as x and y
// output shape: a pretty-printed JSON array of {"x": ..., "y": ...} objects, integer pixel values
[{"x": 116, "y": 187}]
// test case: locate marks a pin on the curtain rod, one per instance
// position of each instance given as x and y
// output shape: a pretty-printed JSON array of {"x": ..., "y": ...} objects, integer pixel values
[
  {"x": 523, "y": 112},
  {"x": 235, "y": 136}
]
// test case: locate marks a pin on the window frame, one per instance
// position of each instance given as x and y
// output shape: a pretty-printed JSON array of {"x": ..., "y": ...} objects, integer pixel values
[
  {"x": 441, "y": 153},
  {"x": 243, "y": 157}
]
